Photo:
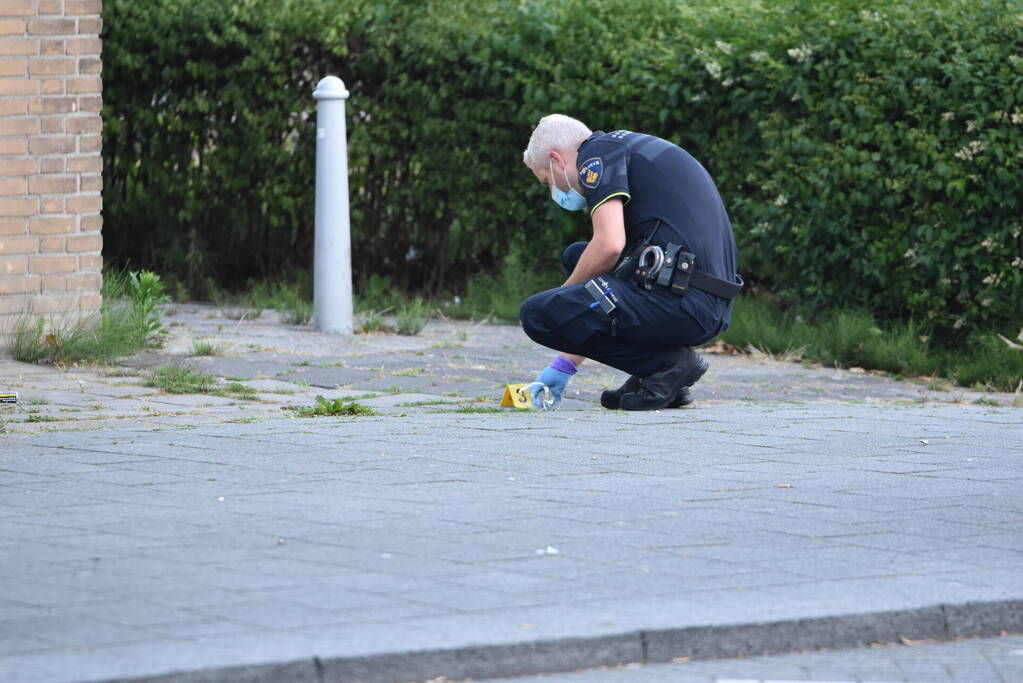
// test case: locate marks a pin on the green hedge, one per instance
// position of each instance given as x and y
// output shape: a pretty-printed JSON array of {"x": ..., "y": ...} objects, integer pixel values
[{"x": 869, "y": 153}]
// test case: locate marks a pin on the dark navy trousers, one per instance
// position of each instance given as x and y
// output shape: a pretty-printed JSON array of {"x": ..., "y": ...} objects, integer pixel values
[{"x": 646, "y": 324}]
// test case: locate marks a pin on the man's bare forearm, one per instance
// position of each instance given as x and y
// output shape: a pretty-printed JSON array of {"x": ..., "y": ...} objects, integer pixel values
[{"x": 595, "y": 260}]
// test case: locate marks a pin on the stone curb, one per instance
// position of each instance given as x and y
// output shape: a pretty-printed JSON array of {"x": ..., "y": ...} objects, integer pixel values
[{"x": 938, "y": 622}]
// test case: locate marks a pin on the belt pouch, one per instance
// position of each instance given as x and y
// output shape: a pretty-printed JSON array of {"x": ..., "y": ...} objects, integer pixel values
[
  {"x": 683, "y": 271},
  {"x": 668, "y": 269}
]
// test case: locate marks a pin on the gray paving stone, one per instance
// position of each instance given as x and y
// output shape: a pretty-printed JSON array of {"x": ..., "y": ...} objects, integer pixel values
[{"x": 419, "y": 533}]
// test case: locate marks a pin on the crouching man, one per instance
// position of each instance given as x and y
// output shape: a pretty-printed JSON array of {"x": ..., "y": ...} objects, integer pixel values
[{"x": 657, "y": 278}]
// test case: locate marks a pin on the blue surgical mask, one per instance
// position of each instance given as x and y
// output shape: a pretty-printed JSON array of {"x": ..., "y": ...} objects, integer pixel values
[{"x": 571, "y": 200}]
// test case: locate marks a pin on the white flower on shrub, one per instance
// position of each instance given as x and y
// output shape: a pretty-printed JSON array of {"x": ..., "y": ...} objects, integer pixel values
[
  {"x": 948, "y": 116},
  {"x": 714, "y": 69},
  {"x": 990, "y": 279},
  {"x": 1017, "y": 116},
  {"x": 760, "y": 229},
  {"x": 1018, "y": 262},
  {"x": 910, "y": 254},
  {"x": 971, "y": 150},
  {"x": 781, "y": 200},
  {"x": 802, "y": 53},
  {"x": 959, "y": 323},
  {"x": 989, "y": 244},
  {"x": 723, "y": 46},
  {"x": 727, "y": 82},
  {"x": 758, "y": 56},
  {"x": 986, "y": 303},
  {"x": 971, "y": 126},
  {"x": 867, "y": 15}
]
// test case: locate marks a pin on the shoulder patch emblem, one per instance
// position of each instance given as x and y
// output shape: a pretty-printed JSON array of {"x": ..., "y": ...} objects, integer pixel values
[{"x": 590, "y": 172}]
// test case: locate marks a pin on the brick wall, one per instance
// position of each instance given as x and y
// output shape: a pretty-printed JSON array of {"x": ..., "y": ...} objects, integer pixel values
[{"x": 50, "y": 163}]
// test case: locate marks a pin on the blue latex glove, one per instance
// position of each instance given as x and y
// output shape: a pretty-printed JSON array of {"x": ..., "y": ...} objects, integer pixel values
[{"x": 555, "y": 380}]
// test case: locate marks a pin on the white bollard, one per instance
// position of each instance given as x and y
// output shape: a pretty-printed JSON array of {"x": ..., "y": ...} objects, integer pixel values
[{"x": 332, "y": 271}]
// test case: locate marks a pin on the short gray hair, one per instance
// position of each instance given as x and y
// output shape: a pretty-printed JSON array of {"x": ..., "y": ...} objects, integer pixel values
[{"x": 555, "y": 131}]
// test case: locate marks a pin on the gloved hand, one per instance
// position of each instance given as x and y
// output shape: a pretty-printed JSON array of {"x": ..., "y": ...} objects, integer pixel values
[{"x": 555, "y": 378}]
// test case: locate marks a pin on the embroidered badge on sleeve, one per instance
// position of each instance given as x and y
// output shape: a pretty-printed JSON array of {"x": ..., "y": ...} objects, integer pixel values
[{"x": 590, "y": 172}]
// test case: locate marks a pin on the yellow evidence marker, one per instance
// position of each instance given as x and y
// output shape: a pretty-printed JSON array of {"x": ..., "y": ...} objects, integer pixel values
[
  {"x": 517, "y": 396},
  {"x": 8, "y": 397}
]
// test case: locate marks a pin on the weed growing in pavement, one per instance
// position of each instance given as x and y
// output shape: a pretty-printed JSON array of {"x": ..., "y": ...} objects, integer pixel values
[
  {"x": 118, "y": 371},
  {"x": 412, "y": 317},
  {"x": 237, "y": 390},
  {"x": 129, "y": 320},
  {"x": 299, "y": 314},
  {"x": 179, "y": 379},
  {"x": 371, "y": 320},
  {"x": 477, "y": 409},
  {"x": 410, "y": 372},
  {"x": 362, "y": 397},
  {"x": 148, "y": 296},
  {"x": 43, "y": 418},
  {"x": 242, "y": 313},
  {"x": 204, "y": 347},
  {"x": 336, "y": 408}
]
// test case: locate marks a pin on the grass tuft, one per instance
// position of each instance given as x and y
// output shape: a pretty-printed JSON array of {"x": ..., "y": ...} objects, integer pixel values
[
  {"x": 293, "y": 300},
  {"x": 237, "y": 390},
  {"x": 855, "y": 339},
  {"x": 203, "y": 347},
  {"x": 179, "y": 379},
  {"x": 370, "y": 320},
  {"x": 241, "y": 313},
  {"x": 477, "y": 409},
  {"x": 412, "y": 317},
  {"x": 130, "y": 319}
]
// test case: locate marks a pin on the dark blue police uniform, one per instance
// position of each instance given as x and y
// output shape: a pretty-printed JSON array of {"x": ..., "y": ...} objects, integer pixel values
[{"x": 669, "y": 199}]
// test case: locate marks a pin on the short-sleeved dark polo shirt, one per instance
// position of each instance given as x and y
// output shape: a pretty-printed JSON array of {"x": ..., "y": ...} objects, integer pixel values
[{"x": 660, "y": 182}]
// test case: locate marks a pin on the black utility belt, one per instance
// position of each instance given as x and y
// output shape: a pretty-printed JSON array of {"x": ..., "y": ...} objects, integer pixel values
[{"x": 675, "y": 269}]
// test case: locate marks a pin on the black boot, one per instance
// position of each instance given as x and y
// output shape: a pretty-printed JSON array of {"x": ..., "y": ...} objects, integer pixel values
[
  {"x": 612, "y": 399},
  {"x": 682, "y": 368}
]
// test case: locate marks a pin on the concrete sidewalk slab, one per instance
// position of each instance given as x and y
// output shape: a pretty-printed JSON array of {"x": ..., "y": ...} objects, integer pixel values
[
  {"x": 210, "y": 538},
  {"x": 448, "y": 544}
]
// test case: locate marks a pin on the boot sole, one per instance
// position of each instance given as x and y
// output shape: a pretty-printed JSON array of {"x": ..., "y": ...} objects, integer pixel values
[{"x": 612, "y": 400}]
